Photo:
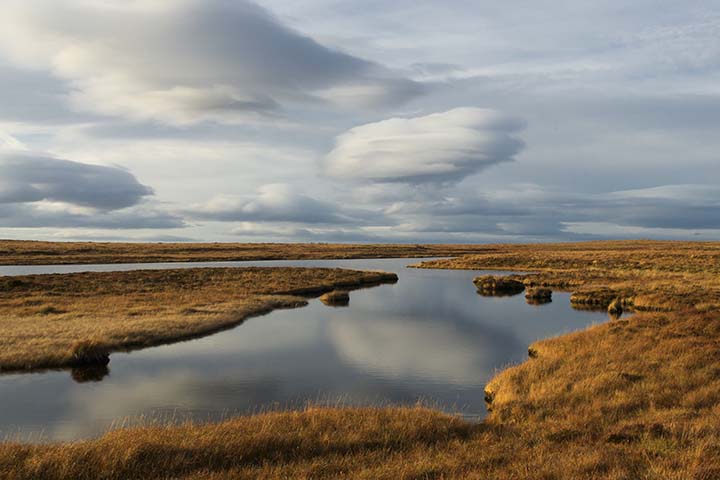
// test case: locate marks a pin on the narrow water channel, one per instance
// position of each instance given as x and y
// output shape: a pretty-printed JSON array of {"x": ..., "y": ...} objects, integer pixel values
[{"x": 428, "y": 338}]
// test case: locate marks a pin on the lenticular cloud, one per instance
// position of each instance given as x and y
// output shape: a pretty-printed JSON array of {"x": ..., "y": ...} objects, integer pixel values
[
  {"x": 184, "y": 62},
  {"x": 26, "y": 177},
  {"x": 441, "y": 147}
]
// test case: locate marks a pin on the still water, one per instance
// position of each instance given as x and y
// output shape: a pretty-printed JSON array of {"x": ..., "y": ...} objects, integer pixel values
[{"x": 428, "y": 338}]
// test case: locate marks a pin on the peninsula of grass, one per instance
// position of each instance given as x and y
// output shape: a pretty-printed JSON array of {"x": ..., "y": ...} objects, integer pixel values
[
  {"x": 632, "y": 398},
  {"x": 77, "y": 319}
]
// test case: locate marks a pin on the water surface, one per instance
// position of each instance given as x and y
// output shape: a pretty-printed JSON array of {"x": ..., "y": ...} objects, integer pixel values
[{"x": 429, "y": 337}]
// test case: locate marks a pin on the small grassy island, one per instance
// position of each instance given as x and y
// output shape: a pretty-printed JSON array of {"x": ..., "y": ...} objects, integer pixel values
[{"x": 632, "y": 398}]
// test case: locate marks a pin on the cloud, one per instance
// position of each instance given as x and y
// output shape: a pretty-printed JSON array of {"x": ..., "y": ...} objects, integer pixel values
[
  {"x": 440, "y": 147},
  {"x": 260, "y": 229},
  {"x": 292, "y": 233},
  {"x": 669, "y": 206},
  {"x": 43, "y": 215},
  {"x": 30, "y": 177},
  {"x": 188, "y": 61},
  {"x": 275, "y": 203},
  {"x": 93, "y": 236},
  {"x": 523, "y": 212},
  {"x": 38, "y": 190},
  {"x": 34, "y": 98},
  {"x": 531, "y": 212}
]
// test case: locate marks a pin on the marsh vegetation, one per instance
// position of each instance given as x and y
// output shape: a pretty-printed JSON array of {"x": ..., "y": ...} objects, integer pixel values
[
  {"x": 21, "y": 252},
  {"x": 73, "y": 320},
  {"x": 634, "y": 397}
]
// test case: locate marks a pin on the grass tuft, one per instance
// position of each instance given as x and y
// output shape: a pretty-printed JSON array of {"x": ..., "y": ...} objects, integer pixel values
[
  {"x": 88, "y": 353},
  {"x": 492, "y": 285},
  {"x": 336, "y": 298},
  {"x": 538, "y": 295}
]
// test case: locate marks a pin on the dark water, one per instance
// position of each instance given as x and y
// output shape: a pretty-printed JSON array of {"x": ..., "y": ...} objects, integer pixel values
[{"x": 429, "y": 337}]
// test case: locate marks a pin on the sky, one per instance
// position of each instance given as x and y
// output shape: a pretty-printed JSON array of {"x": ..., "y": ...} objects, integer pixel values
[{"x": 359, "y": 121}]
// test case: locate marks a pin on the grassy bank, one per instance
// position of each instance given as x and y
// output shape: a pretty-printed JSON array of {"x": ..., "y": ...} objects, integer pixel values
[
  {"x": 21, "y": 252},
  {"x": 635, "y": 398},
  {"x": 644, "y": 275},
  {"x": 68, "y": 320}
]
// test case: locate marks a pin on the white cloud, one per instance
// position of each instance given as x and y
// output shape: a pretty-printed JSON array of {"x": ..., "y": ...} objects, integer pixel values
[
  {"x": 439, "y": 147},
  {"x": 687, "y": 193},
  {"x": 8, "y": 142},
  {"x": 187, "y": 61}
]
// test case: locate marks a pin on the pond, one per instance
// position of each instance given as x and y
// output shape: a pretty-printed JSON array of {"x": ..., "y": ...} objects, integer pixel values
[{"x": 430, "y": 338}]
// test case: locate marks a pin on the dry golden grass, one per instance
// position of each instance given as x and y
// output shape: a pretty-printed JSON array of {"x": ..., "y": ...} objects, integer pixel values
[
  {"x": 22, "y": 252},
  {"x": 317, "y": 442},
  {"x": 645, "y": 275},
  {"x": 71, "y": 319},
  {"x": 635, "y": 398},
  {"x": 497, "y": 286}
]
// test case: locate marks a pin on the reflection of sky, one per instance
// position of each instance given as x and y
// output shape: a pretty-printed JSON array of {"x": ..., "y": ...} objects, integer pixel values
[{"x": 429, "y": 337}]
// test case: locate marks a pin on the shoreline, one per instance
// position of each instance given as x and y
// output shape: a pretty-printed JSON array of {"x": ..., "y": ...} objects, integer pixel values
[{"x": 32, "y": 252}]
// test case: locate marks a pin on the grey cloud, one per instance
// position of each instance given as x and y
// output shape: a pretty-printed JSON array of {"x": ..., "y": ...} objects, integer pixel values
[
  {"x": 40, "y": 191},
  {"x": 84, "y": 235},
  {"x": 521, "y": 213},
  {"x": 32, "y": 216},
  {"x": 188, "y": 61},
  {"x": 28, "y": 177},
  {"x": 686, "y": 207},
  {"x": 435, "y": 68},
  {"x": 34, "y": 97},
  {"x": 673, "y": 206},
  {"x": 531, "y": 212},
  {"x": 283, "y": 232},
  {"x": 278, "y": 203}
]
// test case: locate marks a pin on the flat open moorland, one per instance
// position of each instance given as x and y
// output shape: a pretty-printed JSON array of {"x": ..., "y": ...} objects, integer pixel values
[
  {"x": 22, "y": 252},
  {"x": 632, "y": 398},
  {"x": 63, "y": 320}
]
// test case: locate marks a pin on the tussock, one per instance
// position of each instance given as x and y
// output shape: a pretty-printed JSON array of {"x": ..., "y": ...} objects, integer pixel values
[
  {"x": 615, "y": 308},
  {"x": 336, "y": 298},
  {"x": 88, "y": 353},
  {"x": 538, "y": 295},
  {"x": 492, "y": 285}
]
